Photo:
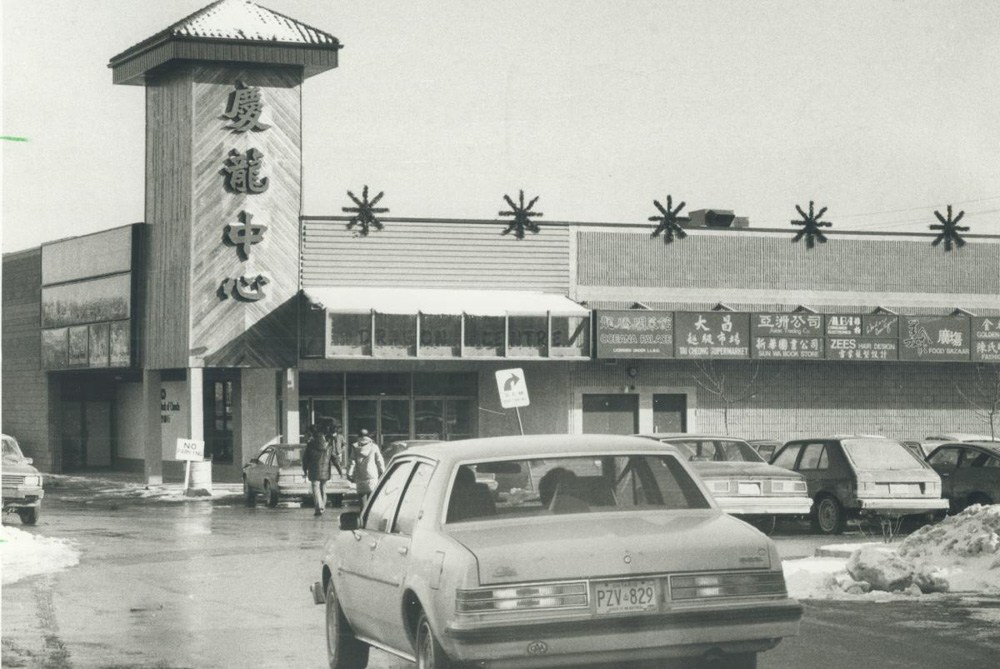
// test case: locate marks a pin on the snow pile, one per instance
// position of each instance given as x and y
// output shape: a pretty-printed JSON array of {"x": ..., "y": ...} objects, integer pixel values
[
  {"x": 959, "y": 554},
  {"x": 95, "y": 489},
  {"x": 24, "y": 554}
]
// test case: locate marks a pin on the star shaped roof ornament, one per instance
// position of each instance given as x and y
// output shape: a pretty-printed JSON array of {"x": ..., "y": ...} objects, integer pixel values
[
  {"x": 949, "y": 230},
  {"x": 668, "y": 221},
  {"x": 811, "y": 225},
  {"x": 364, "y": 212},
  {"x": 522, "y": 216}
]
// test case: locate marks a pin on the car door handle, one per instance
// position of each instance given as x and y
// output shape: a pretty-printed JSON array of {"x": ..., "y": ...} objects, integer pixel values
[{"x": 403, "y": 550}]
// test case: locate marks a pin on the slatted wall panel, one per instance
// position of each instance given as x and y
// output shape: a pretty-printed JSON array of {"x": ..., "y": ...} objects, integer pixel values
[
  {"x": 227, "y": 332},
  {"x": 435, "y": 254},
  {"x": 168, "y": 211},
  {"x": 772, "y": 262}
]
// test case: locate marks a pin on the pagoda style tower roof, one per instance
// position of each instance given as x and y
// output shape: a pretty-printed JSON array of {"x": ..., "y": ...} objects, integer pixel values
[{"x": 234, "y": 31}]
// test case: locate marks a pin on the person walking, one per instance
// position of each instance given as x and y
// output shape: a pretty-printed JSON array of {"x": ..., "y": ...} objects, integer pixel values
[
  {"x": 316, "y": 464},
  {"x": 338, "y": 446},
  {"x": 367, "y": 466}
]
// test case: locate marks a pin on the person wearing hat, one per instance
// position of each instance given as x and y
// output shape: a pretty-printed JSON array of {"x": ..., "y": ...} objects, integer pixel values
[
  {"x": 367, "y": 466},
  {"x": 316, "y": 466}
]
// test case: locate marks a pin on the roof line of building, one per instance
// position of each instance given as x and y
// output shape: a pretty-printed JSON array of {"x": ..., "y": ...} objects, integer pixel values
[{"x": 637, "y": 226}]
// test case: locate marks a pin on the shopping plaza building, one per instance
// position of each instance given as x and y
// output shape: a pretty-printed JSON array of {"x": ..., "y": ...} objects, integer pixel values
[{"x": 231, "y": 317}]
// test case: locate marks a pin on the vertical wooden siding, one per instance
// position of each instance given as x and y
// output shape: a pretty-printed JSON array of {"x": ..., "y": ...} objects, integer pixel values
[
  {"x": 435, "y": 254},
  {"x": 25, "y": 387},
  {"x": 168, "y": 211}
]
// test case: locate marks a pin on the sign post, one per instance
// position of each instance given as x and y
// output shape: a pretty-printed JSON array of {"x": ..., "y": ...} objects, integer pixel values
[
  {"x": 513, "y": 391},
  {"x": 188, "y": 450}
]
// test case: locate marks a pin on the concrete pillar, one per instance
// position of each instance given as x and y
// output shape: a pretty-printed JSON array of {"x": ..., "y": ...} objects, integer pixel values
[
  {"x": 152, "y": 422},
  {"x": 54, "y": 426},
  {"x": 290, "y": 406},
  {"x": 196, "y": 403}
]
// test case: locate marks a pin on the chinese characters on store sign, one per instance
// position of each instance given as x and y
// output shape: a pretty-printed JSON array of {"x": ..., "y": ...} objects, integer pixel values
[
  {"x": 628, "y": 334},
  {"x": 798, "y": 336},
  {"x": 712, "y": 334},
  {"x": 986, "y": 334},
  {"x": 787, "y": 336},
  {"x": 242, "y": 175}
]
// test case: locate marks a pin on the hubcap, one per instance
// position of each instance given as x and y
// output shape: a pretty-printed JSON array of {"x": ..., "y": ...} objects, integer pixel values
[
  {"x": 827, "y": 515},
  {"x": 423, "y": 659}
]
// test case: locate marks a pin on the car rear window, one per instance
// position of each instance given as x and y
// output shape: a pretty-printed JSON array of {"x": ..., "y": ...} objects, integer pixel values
[
  {"x": 289, "y": 457},
  {"x": 717, "y": 450},
  {"x": 593, "y": 484},
  {"x": 880, "y": 454}
]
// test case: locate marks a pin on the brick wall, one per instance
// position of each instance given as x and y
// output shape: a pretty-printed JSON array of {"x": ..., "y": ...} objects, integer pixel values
[
  {"x": 25, "y": 407},
  {"x": 799, "y": 399}
]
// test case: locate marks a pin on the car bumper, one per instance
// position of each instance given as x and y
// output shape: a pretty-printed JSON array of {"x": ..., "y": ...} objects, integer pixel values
[
  {"x": 901, "y": 506},
  {"x": 575, "y": 642},
  {"x": 21, "y": 496},
  {"x": 770, "y": 506}
]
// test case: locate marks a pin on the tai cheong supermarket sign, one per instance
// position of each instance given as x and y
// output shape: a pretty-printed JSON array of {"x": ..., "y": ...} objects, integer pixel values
[{"x": 879, "y": 336}]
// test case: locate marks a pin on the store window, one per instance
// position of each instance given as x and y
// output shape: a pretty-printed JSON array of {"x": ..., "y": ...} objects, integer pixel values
[
  {"x": 440, "y": 336},
  {"x": 219, "y": 416},
  {"x": 527, "y": 336},
  {"x": 395, "y": 336},
  {"x": 351, "y": 334}
]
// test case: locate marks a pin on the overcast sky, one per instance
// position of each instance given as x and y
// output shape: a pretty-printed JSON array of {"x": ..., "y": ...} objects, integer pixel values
[{"x": 881, "y": 111}]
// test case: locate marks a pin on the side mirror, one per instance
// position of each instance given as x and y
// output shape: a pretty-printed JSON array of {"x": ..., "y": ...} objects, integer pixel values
[
  {"x": 254, "y": 461},
  {"x": 28, "y": 461},
  {"x": 350, "y": 520}
]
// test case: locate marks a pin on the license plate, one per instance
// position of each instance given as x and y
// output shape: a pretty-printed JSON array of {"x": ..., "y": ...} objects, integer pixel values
[
  {"x": 904, "y": 489},
  {"x": 748, "y": 487},
  {"x": 625, "y": 597}
]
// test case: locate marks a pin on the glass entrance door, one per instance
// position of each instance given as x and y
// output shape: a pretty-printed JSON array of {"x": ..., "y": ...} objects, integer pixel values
[{"x": 387, "y": 419}]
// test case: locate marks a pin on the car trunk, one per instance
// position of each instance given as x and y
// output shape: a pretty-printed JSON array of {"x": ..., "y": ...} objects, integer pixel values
[
  {"x": 611, "y": 544},
  {"x": 898, "y": 483},
  {"x": 737, "y": 469}
]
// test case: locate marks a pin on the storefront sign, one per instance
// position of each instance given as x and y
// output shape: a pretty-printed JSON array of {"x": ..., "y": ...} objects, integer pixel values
[
  {"x": 986, "y": 339},
  {"x": 712, "y": 334},
  {"x": 861, "y": 348},
  {"x": 631, "y": 334},
  {"x": 796, "y": 325},
  {"x": 788, "y": 348},
  {"x": 935, "y": 338}
]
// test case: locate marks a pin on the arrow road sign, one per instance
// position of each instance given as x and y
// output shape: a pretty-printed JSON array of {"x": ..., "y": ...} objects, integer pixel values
[{"x": 513, "y": 388}]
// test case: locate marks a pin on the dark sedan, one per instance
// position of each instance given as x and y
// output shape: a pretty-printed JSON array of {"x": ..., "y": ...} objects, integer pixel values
[{"x": 969, "y": 471}]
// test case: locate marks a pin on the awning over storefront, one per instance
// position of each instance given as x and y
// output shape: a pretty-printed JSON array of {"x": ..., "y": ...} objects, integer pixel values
[
  {"x": 436, "y": 323},
  {"x": 436, "y": 301}
]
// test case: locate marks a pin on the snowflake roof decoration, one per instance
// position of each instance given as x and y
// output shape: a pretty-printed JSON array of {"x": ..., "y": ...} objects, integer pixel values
[
  {"x": 364, "y": 212},
  {"x": 669, "y": 221},
  {"x": 811, "y": 226},
  {"x": 522, "y": 216},
  {"x": 949, "y": 230}
]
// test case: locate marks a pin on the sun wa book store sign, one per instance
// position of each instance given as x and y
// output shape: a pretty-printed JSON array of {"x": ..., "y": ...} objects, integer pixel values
[{"x": 796, "y": 336}]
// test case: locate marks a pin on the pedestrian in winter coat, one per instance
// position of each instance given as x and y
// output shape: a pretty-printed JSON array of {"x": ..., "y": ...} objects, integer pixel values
[
  {"x": 316, "y": 464},
  {"x": 367, "y": 466},
  {"x": 337, "y": 445}
]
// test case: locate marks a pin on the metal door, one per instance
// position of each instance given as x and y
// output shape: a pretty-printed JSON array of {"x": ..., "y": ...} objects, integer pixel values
[{"x": 610, "y": 414}]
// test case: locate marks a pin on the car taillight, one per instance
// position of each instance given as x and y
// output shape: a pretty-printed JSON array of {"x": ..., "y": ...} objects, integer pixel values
[
  {"x": 520, "y": 598},
  {"x": 701, "y": 586},
  {"x": 788, "y": 485},
  {"x": 718, "y": 485}
]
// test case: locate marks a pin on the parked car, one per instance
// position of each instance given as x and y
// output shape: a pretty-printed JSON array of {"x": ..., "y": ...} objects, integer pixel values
[
  {"x": 765, "y": 447},
  {"x": 394, "y": 447},
  {"x": 969, "y": 471},
  {"x": 851, "y": 477},
  {"x": 621, "y": 555},
  {"x": 276, "y": 472},
  {"x": 22, "y": 483},
  {"x": 961, "y": 436},
  {"x": 920, "y": 448},
  {"x": 741, "y": 480}
]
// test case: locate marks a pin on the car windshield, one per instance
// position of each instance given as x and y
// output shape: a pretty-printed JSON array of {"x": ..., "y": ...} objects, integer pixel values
[
  {"x": 716, "y": 450},
  {"x": 11, "y": 451},
  {"x": 290, "y": 457},
  {"x": 592, "y": 484},
  {"x": 880, "y": 454}
]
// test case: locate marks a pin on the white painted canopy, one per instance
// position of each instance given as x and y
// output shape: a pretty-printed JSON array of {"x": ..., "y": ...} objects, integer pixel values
[{"x": 443, "y": 302}]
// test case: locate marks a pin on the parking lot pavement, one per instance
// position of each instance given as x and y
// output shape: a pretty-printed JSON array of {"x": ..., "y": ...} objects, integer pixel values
[{"x": 202, "y": 584}]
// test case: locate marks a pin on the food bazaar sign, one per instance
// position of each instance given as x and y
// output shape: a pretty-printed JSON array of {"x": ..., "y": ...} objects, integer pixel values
[{"x": 799, "y": 336}]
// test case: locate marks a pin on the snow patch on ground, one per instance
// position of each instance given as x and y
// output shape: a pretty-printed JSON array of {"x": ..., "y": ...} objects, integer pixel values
[
  {"x": 24, "y": 554},
  {"x": 959, "y": 554},
  {"x": 90, "y": 489}
]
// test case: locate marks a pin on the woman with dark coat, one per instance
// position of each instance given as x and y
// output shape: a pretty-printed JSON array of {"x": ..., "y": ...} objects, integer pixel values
[{"x": 316, "y": 464}]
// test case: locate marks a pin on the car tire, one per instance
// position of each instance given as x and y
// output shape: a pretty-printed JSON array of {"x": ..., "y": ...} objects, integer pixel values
[
  {"x": 29, "y": 514},
  {"x": 765, "y": 524},
  {"x": 270, "y": 495},
  {"x": 979, "y": 498},
  {"x": 430, "y": 655},
  {"x": 829, "y": 516},
  {"x": 249, "y": 496},
  {"x": 343, "y": 650}
]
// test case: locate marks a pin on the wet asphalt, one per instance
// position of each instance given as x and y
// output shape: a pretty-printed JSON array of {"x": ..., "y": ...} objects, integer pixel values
[{"x": 205, "y": 584}]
